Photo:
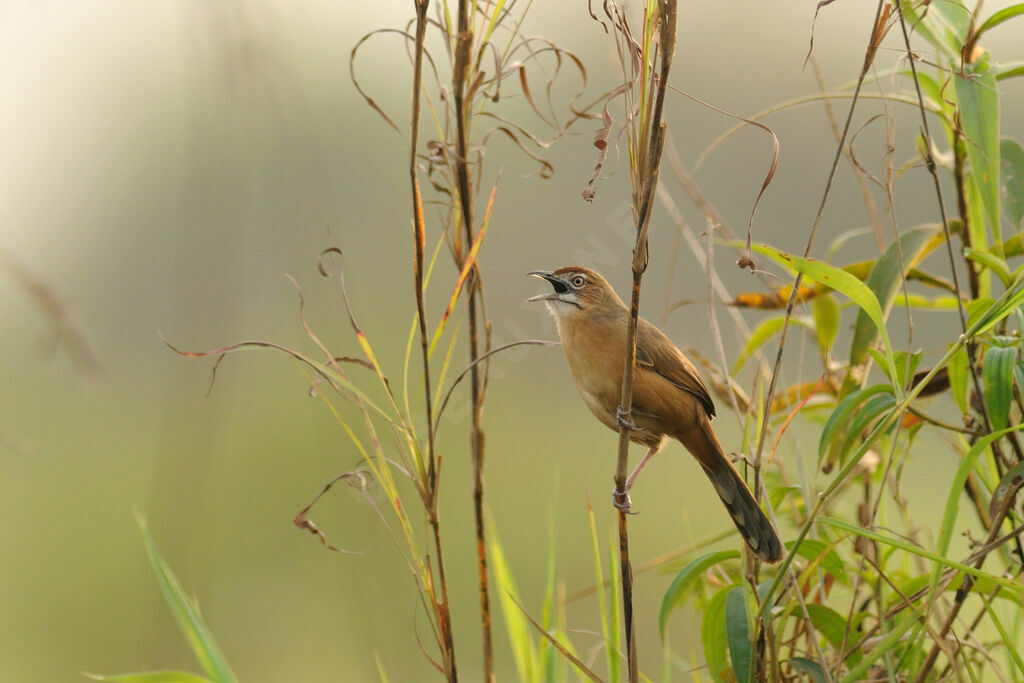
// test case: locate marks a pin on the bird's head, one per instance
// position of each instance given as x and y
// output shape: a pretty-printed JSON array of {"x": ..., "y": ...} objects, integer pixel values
[{"x": 575, "y": 289}]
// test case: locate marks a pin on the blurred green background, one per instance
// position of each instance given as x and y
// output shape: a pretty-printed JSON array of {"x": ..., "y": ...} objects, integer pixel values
[{"x": 162, "y": 164}]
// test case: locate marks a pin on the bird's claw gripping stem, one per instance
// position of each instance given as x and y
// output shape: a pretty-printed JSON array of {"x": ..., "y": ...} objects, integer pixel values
[
  {"x": 626, "y": 505},
  {"x": 622, "y": 419}
]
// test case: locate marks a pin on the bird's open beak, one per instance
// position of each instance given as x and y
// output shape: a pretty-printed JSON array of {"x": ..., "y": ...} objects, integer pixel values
[{"x": 556, "y": 283}]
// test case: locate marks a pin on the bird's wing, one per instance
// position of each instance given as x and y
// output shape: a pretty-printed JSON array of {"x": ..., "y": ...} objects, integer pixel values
[{"x": 657, "y": 352}]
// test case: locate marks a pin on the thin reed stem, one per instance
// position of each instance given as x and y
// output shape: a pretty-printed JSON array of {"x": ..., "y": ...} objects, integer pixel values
[{"x": 463, "y": 47}]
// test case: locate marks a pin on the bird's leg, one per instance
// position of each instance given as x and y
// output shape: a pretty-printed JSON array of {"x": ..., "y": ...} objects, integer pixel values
[
  {"x": 632, "y": 479},
  {"x": 622, "y": 418},
  {"x": 641, "y": 465}
]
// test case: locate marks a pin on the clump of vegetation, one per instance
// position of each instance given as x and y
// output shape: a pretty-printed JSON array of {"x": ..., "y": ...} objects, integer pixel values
[{"x": 872, "y": 595}]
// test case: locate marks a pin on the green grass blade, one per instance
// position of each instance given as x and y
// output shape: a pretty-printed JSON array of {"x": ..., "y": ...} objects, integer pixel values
[
  {"x": 602, "y": 603},
  {"x": 515, "y": 621},
  {"x": 153, "y": 677},
  {"x": 615, "y": 646},
  {"x": 999, "y": 17},
  {"x": 1016, "y": 586},
  {"x": 187, "y": 615}
]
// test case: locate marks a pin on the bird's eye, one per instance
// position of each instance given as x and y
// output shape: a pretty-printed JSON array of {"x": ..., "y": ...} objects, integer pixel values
[{"x": 578, "y": 281}]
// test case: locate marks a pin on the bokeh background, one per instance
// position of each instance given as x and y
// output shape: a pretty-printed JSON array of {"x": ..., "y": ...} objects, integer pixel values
[{"x": 162, "y": 164}]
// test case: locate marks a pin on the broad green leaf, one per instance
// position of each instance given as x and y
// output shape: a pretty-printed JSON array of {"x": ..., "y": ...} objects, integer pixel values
[
  {"x": 685, "y": 578},
  {"x": 828, "y": 623},
  {"x": 846, "y": 284},
  {"x": 997, "y": 375},
  {"x": 187, "y": 615},
  {"x": 153, "y": 677},
  {"x": 884, "y": 281},
  {"x": 1011, "y": 179},
  {"x": 737, "y": 632},
  {"x": 978, "y": 104},
  {"x": 826, "y": 321},
  {"x": 809, "y": 667},
  {"x": 713, "y": 635}
]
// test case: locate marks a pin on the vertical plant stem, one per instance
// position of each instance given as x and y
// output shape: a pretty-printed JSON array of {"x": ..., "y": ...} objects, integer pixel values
[
  {"x": 441, "y": 607},
  {"x": 463, "y": 46},
  {"x": 646, "y": 175}
]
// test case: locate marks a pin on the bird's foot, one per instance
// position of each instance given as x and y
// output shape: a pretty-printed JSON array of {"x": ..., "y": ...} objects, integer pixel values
[
  {"x": 623, "y": 420},
  {"x": 626, "y": 504}
]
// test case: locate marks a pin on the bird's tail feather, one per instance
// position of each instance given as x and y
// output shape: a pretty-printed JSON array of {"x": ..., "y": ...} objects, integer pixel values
[{"x": 755, "y": 527}]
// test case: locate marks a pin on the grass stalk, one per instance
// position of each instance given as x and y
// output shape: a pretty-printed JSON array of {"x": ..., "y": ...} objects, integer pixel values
[{"x": 463, "y": 47}]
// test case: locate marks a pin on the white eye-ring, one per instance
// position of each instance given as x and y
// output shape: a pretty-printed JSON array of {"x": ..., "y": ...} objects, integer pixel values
[{"x": 578, "y": 281}]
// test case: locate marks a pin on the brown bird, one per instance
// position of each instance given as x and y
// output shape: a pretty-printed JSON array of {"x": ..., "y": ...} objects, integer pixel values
[{"x": 669, "y": 398}]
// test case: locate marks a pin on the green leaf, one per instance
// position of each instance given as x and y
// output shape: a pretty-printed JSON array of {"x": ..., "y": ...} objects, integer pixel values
[
  {"x": 838, "y": 423},
  {"x": 685, "y": 578},
  {"x": 939, "y": 560},
  {"x": 826, "y": 321},
  {"x": 822, "y": 554},
  {"x": 846, "y": 284},
  {"x": 999, "y": 17},
  {"x": 943, "y": 24},
  {"x": 186, "y": 613},
  {"x": 978, "y": 103},
  {"x": 810, "y": 667},
  {"x": 1011, "y": 178},
  {"x": 737, "y": 631},
  {"x": 957, "y": 370},
  {"x": 990, "y": 261},
  {"x": 828, "y": 623},
  {"x": 1007, "y": 488},
  {"x": 713, "y": 635},
  {"x": 884, "y": 280},
  {"x": 153, "y": 677},
  {"x": 868, "y": 412},
  {"x": 777, "y": 494},
  {"x": 516, "y": 623},
  {"x": 760, "y": 335},
  {"x": 997, "y": 374}
]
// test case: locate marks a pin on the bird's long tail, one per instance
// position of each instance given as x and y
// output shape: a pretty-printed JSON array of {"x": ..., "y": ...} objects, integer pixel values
[{"x": 747, "y": 515}]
